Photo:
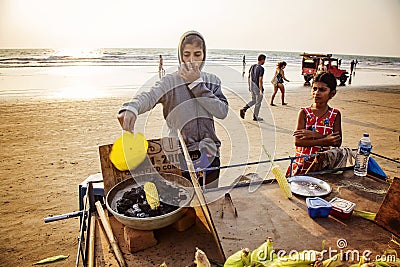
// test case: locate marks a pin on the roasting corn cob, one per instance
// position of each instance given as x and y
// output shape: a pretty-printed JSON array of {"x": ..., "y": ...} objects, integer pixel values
[
  {"x": 152, "y": 195},
  {"x": 279, "y": 176},
  {"x": 282, "y": 181}
]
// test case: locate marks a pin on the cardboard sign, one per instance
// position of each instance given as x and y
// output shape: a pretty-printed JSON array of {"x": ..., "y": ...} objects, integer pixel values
[{"x": 164, "y": 155}]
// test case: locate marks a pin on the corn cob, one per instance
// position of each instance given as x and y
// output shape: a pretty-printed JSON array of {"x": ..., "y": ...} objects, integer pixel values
[
  {"x": 301, "y": 259},
  {"x": 282, "y": 181},
  {"x": 263, "y": 253},
  {"x": 333, "y": 261},
  {"x": 239, "y": 259},
  {"x": 200, "y": 259},
  {"x": 152, "y": 195},
  {"x": 279, "y": 176}
]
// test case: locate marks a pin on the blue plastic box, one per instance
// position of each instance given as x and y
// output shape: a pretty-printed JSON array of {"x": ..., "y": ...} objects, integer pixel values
[{"x": 318, "y": 207}]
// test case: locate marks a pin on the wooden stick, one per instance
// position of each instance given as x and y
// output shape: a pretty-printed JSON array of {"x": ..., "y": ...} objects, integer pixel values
[
  {"x": 199, "y": 194},
  {"x": 92, "y": 237},
  {"x": 110, "y": 235}
]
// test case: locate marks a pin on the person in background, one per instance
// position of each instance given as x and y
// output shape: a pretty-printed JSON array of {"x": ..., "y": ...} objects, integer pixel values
[
  {"x": 255, "y": 80},
  {"x": 161, "y": 71},
  {"x": 278, "y": 81},
  {"x": 319, "y": 126},
  {"x": 321, "y": 67},
  {"x": 244, "y": 65},
  {"x": 191, "y": 99},
  {"x": 352, "y": 64}
]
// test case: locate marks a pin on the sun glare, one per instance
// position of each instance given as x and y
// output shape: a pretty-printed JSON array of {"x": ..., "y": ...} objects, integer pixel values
[
  {"x": 78, "y": 92},
  {"x": 77, "y": 52}
]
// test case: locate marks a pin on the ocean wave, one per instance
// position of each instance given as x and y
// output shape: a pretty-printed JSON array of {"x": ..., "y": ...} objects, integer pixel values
[{"x": 149, "y": 56}]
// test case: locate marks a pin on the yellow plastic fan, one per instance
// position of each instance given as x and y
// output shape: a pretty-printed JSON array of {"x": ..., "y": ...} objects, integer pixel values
[{"x": 129, "y": 151}]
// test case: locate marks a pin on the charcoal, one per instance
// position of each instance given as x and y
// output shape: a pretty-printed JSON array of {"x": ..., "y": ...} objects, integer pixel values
[
  {"x": 123, "y": 205},
  {"x": 133, "y": 202},
  {"x": 130, "y": 213}
]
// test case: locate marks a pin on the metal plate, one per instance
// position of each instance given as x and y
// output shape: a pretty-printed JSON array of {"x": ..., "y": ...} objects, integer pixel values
[{"x": 308, "y": 186}]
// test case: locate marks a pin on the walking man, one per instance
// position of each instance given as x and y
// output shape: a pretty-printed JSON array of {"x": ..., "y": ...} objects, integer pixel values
[{"x": 256, "y": 89}]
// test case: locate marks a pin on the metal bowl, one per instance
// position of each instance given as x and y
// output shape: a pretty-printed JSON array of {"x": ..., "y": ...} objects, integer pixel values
[{"x": 149, "y": 223}]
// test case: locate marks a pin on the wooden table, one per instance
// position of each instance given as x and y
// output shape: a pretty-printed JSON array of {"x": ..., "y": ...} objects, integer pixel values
[
  {"x": 264, "y": 213},
  {"x": 267, "y": 213}
]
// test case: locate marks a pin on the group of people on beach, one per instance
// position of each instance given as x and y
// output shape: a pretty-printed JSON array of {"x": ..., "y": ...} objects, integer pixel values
[
  {"x": 256, "y": 87},
  {"x": 191, "y": 98}
]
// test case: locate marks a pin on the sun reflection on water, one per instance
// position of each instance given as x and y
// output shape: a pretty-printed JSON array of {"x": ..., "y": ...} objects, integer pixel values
[{"x": 78, "y": 53}]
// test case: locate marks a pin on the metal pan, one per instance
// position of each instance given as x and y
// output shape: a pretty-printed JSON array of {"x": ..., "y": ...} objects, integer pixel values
[{"x": 149, "y": 223}]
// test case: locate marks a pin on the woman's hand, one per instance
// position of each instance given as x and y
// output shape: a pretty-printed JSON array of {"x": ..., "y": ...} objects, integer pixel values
[
  {"x": 307, "y": 134},
  {"x": 189, "y": 71},
  {"x": 127, "y": 120},
  {"x": 333, "y": 139}
]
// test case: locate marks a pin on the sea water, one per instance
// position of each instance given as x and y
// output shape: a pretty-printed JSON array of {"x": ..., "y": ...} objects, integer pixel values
[{"x": 109, "y": 72}]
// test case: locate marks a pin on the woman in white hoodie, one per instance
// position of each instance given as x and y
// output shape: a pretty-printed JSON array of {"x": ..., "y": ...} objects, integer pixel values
[{"x": 191, "y": 99}]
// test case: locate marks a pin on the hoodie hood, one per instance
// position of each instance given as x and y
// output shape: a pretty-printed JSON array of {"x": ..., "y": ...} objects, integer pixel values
[{"x": 180, "y": 48}]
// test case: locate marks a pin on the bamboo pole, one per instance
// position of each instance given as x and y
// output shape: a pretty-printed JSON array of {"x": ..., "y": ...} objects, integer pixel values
[
  {"x": 199, "y": 194},
  {"x": 92, "y": 238},
  {"x": 110, "y": 235}
]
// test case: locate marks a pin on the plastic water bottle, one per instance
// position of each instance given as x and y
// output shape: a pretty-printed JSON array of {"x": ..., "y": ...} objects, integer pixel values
[{"x": 364, "y": 149}]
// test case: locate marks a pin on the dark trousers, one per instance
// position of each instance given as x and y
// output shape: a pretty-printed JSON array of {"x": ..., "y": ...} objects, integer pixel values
[{"x": 210, "y": 178}]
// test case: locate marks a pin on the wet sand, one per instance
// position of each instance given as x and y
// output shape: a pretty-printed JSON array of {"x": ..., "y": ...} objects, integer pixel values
[{"x": 50, "y": 146}]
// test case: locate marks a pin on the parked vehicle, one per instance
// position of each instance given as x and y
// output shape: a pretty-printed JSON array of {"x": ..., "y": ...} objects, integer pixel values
[{"x": 310, "y": 63}]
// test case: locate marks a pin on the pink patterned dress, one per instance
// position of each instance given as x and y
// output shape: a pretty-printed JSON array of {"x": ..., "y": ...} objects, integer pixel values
[{"x": 322, "y": 125}]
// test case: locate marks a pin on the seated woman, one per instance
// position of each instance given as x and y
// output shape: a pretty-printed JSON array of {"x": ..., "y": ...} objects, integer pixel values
[{"x": 318, "y": 126}]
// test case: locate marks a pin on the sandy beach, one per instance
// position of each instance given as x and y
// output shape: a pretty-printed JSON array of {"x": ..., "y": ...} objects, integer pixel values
[{"x": 50, "y": 146}]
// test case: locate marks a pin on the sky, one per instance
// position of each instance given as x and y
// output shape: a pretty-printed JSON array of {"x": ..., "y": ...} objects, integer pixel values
[{"x": 356, "y": 27}]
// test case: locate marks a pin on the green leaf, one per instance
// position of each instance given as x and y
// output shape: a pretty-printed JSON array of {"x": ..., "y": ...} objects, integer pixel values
[
  {"x": 365, "y": 214},
  {"x": 51, "y": 259}
]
